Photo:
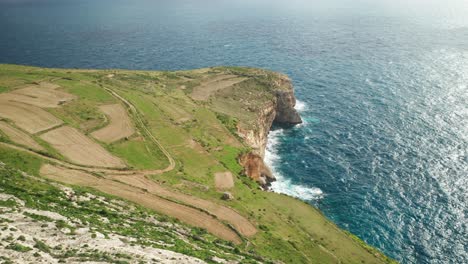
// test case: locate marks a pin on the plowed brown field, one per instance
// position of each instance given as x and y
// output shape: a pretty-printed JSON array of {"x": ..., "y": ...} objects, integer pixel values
[
  {"x": 120, "y": 125},
  {"x": 223, "y": 180},
  {"x": 240, "y": 223},
  {"x": 80, "y": 149},
  {"x": 19, "y": 136},
  {"x": 183, "y": 213},
  {"x": 43, "y": 95},
  {"x": 209, "y": 87},
  {"x": 28, "y": 117}
]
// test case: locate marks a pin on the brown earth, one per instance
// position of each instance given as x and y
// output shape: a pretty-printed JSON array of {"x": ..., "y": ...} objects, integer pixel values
[
  {"x": 44, "y": 95},
  {"x": 19, "y": 136},
  {"x": 223, "y": 180},
  {"x": 120, "y": 125},
  {"x": 210, "y": 86},
  {"x": 240, "y": 223},
  {"x": 30, "y": 118},
  {"x": 256, "y": 169},
  {"x": 80, "y": 149},
  {"x": 143, "y": 197}
]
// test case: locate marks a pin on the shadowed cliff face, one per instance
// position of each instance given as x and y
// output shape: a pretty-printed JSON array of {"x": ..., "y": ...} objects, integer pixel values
[
  {"x": 285, "y": 111},
  {"x": 286, "y": 114}
]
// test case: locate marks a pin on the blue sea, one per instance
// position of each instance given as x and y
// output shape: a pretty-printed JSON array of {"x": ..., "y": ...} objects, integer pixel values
[{"x": 382, "y": 88}]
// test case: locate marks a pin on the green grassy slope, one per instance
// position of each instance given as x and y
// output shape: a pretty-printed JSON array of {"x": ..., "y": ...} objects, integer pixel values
[{"x": 200, "y": 136}]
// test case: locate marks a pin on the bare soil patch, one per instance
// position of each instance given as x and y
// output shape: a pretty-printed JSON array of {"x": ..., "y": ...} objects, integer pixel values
[
  {"x": 80, "y": 149},
  {"x": 19, "y": 136},
  {"x": 139, "y": 195},
  {"x": 28, "y": 117},
  {"x": 120, "y": 125},
  {"x": 240, "y": 223},
  {"x": 210, "y": 86},
  {"x": 44, "y": 95},
  {"x": 224, "y": 180}
]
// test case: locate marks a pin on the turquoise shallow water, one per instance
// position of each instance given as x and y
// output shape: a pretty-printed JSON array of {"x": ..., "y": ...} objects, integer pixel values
[{"x": 383, "y": 90}]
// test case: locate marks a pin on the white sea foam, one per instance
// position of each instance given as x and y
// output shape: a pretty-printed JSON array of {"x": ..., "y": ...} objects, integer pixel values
[
  {"x": 300, "y": 106},
  {"x": 282, "y": 184}
]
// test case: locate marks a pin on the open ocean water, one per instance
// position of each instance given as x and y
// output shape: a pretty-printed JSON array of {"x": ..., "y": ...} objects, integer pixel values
[{"x": 382, "y": 88}]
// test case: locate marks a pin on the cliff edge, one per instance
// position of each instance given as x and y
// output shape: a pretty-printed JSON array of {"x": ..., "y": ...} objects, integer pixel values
[{"x": 278, "y": 110}]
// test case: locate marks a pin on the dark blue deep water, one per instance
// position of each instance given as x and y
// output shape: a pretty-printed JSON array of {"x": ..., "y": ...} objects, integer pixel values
[{"x": 382, "y": 84}]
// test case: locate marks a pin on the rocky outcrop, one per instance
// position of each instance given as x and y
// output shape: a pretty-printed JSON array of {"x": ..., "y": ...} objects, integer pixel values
[
  {"x": 280, "y": 111},
  {"x": 285, "y": 111},
  {"x": 285, "y": 102},
  {"x": 256, "y": 169}
]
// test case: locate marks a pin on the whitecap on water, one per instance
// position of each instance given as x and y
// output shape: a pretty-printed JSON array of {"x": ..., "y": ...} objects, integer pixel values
[
  {"x": 300, "y": 106},
  {"x": 282, "y": 184}
]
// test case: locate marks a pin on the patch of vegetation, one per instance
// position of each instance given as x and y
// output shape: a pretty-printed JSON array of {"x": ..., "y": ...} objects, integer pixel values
[
  {"x": 41, "y": 246},
  {"x": 8, "y": 203},
  {"x": 81, "y": 114},
  {"x": 21, "y": 160},
  {"x": 229, "y": 122},
  {"x": 86, "y": 90},
  {"x": 38, "y": 217},
  {"x": 138, "y": 154},
  {"x": 18, "y": 247},
  {"x": 228, "y": 156}
]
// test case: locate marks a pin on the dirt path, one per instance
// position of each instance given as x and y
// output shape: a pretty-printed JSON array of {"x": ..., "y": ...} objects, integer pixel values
[{"x": 146, "y": 130}]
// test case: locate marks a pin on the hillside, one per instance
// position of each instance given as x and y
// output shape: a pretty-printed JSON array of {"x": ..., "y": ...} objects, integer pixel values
[{"x": 141, "y": 160}]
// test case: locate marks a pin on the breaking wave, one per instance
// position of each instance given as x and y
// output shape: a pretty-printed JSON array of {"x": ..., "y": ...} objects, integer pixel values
[
  {"x": 282, "y": 184},
  {"x": 300, "y": 106}
]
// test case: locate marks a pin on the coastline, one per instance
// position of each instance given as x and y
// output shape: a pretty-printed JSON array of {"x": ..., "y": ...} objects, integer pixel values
[
  {"x": 285, "y": 185},
  {"x": 273, "y": 159}
]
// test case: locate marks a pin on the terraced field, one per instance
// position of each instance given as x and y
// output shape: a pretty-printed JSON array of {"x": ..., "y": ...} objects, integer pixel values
[
  {"x": 19, "y": 136},
  {"x": 80, "y": 149},
  {"x": 30, "y": 118},
  {"x": 120, "y": 126}
]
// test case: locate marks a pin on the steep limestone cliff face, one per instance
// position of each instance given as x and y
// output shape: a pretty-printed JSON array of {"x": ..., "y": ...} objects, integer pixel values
[
  {"x": 280, "y": 111},
  {"x": 257, "y": 138},
  {"x": 285, "y": 102},
  {"x": 285, "y": 111}
]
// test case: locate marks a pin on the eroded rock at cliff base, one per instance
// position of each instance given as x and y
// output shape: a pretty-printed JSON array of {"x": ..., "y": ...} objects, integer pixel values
[{"x": 256, "y": 169}]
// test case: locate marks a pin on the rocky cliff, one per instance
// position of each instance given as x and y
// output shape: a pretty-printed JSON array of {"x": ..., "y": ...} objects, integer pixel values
[
  {"x": 280, "y": 111},
  {"x": 285, "y": 102}
]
